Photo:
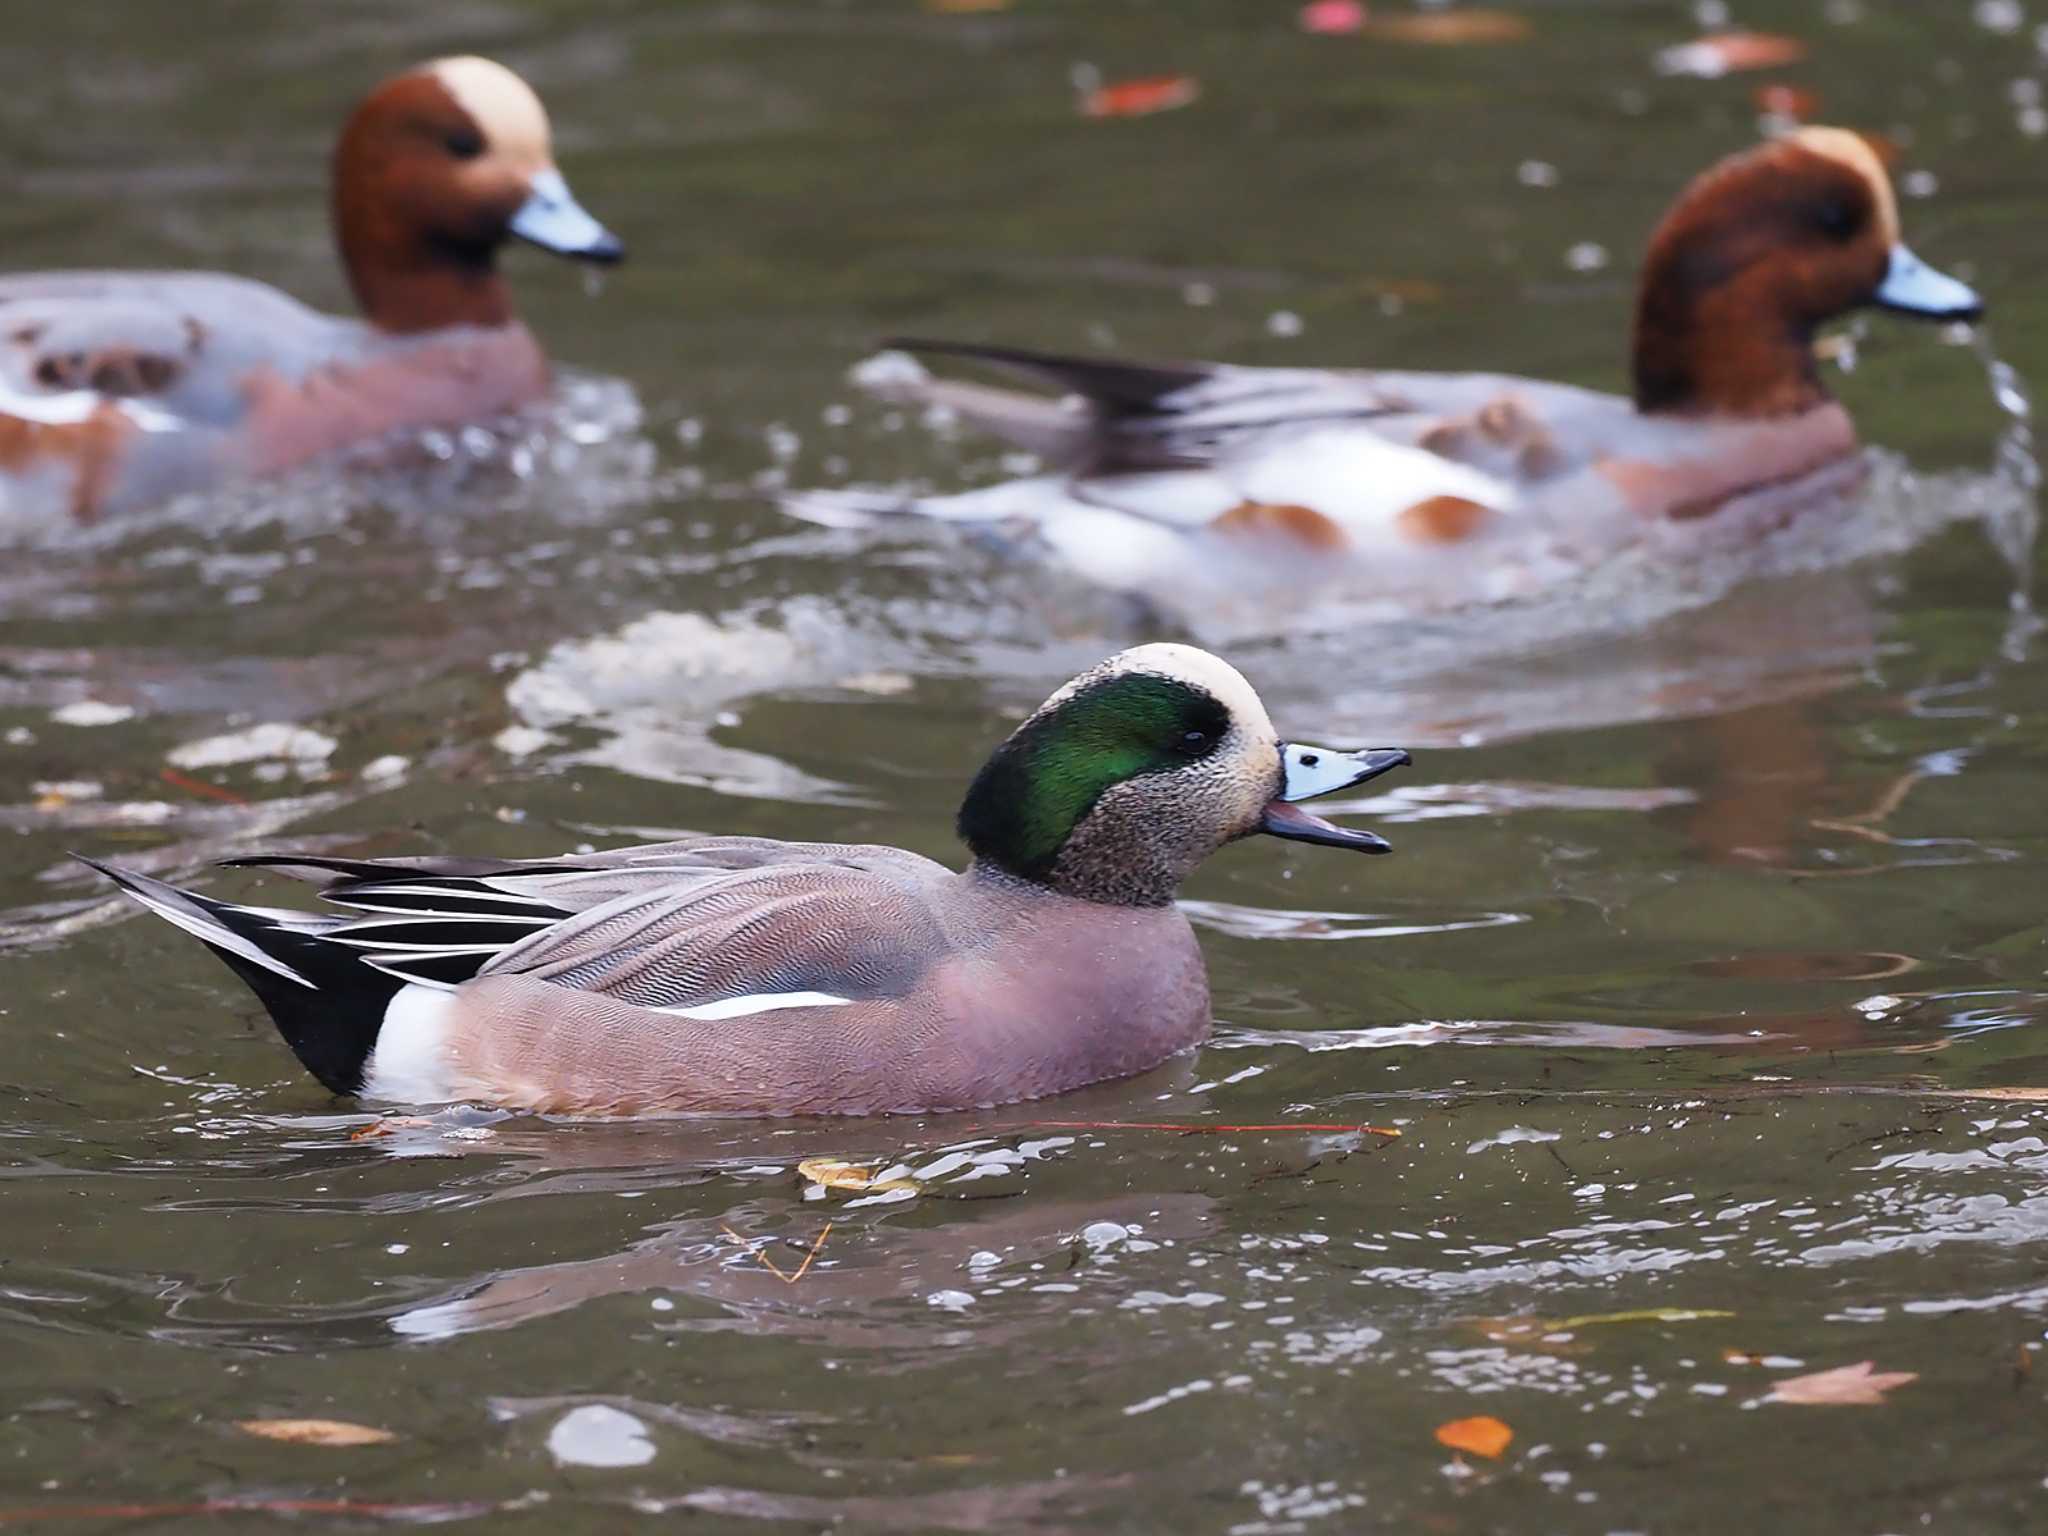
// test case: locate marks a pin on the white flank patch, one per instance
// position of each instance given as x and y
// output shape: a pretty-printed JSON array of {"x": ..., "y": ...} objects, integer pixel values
[
  {"x": 407, "y": 1066},
  {"x": 757, "y": 1002}
]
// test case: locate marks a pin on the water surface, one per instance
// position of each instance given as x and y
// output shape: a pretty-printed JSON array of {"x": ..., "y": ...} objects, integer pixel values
[{"x": 1705, "y": 978}]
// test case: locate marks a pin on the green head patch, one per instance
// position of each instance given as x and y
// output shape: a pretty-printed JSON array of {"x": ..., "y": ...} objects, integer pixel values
[{"x": 1043, "y": 781}]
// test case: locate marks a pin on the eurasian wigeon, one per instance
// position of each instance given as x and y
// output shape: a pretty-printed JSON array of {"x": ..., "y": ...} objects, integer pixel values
[
  {"x": 744, "y": 975},
  {"x": 1190, "y": 479},
  {"x": 118, "y": 389}
]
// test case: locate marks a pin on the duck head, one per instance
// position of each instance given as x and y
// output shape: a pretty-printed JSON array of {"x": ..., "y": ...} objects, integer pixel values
[
  {"x": 1140, "y": 768},
  {"x": 1756, "y": 254},
  {"x": 435, "y": 171}
]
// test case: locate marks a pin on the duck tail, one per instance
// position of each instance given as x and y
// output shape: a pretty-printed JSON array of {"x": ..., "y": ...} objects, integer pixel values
[
  {"x": 1117, "y": 385},
  {"x": 326, "y": 998}
]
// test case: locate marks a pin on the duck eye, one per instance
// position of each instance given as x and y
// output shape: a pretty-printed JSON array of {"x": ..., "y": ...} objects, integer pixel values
[
  {"x": 464, "y": 143},
  {"x": 1194, "y": 743},
  {"x": 1838, "y": 219}
]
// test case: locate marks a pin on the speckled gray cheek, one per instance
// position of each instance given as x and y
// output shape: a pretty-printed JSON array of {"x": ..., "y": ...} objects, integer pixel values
[{"x": 1147, "y": 835}]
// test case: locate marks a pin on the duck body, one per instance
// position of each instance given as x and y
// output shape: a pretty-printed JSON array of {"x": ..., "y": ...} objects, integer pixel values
[
  {"x": 745, "y": 975},
  {"x": 1445, "y": 487},
  {"x": 1202, "y": 480},
  {"x": 122, "y": 389}
]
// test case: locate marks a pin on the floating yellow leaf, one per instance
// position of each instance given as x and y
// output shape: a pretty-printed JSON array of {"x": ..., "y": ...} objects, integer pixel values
[
  {"x": 1845, "y": 1384},
  {"x": 1481, "y": 1436},
  {"x": 837, "y": 1173},
  {"x": 332, "y": 1432},
  {"x": 1450, "y": 28}
]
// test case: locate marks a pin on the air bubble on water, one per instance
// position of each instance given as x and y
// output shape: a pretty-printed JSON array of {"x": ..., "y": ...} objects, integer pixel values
[
  {"x": 1283, "y": 323},
  {"x": 2004, "y": 17},
  {"x": 593, "y": 282},
  {"x": 597, "y": 1435},
  {"x": 1710, "y": 14},
  {"x": 1586, "y": 256},
  {"x": 689, "y": 431},
  {"x": 1536, "y": 173},
  {"x": 2014, "y": 523},
  {"x": 1101, "y": 1236},
  {"x": 1919, "y": 184},
  {"x": 1198, "y": 295}
]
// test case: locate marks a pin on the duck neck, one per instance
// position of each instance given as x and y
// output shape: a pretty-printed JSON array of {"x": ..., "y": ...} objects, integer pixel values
[
  {"x": 420, "y": 286},
  {"x": 1077, "y": 880},
  {"x": 1723, "y": 350}
]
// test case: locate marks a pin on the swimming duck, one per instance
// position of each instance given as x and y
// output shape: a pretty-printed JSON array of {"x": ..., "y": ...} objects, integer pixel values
[
  {"x": 1179, "y": 476},
  {"x": 118, "y": 389},
  {"x": 745, "y": 975}
]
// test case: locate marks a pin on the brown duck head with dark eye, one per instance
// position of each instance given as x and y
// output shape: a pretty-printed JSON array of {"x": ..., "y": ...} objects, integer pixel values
[
  {"x": 435, "y": 171},
  {"x": 1757, "y": 253}
]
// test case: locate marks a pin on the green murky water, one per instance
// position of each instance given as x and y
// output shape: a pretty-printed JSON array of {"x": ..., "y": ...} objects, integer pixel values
[{"x": 1711, "y": 940}]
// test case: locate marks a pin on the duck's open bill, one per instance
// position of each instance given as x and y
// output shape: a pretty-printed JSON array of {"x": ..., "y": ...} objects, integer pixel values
[
  {"x": 1310, "y": 771},
  {"x": 1912, "y": 287}
]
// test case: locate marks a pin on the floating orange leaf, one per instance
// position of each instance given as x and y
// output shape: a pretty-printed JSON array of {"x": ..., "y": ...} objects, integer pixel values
[
  {"x": 1790, "y": 101},
  {"x": 1729, "y": 53},
  {"x": 331, "y": 1432},
  {"x": 1450, "y": 28},
  {"x": 1331, "y": 17},
  {"x": 1140, "y": 98},
  {"x": 1845, "y": 1384},
  {"x": 1481, "y": 1436}
]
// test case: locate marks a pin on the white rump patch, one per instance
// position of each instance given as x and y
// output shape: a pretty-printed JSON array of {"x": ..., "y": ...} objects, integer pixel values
[
  {"x": 756, "y": 1002},
  {"x": 408, "y": 1065}
]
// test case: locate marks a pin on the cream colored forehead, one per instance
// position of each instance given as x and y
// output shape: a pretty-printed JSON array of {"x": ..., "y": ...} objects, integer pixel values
[
  {"x": 1854, "y": 151},
  {"x": 502, "y": 105},
  {"x": 1186, "y": 664}
]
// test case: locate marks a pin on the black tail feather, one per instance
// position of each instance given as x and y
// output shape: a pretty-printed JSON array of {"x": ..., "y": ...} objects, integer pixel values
[
  {"x": 1123, "y": 386},
  {"x": 325, "y": 999},
  {"x": 315, "y": 866}
]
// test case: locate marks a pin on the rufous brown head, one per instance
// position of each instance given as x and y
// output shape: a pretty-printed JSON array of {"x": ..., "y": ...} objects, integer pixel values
[
  {"x": 1759, "y": 252},
  {"x": 434, "y": 171}
]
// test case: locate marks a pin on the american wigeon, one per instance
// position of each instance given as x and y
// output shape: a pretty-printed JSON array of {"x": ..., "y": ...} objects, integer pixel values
[
  {"x": 1180, "y": 476},
  {"x": 118, "y": 389},
  {"x": 743, "y": 975}
]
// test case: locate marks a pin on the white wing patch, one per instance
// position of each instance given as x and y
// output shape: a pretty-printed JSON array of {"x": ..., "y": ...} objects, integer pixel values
[
  {"x": 756, "y": 1002},
  {"x": 67, "y": 408}
]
